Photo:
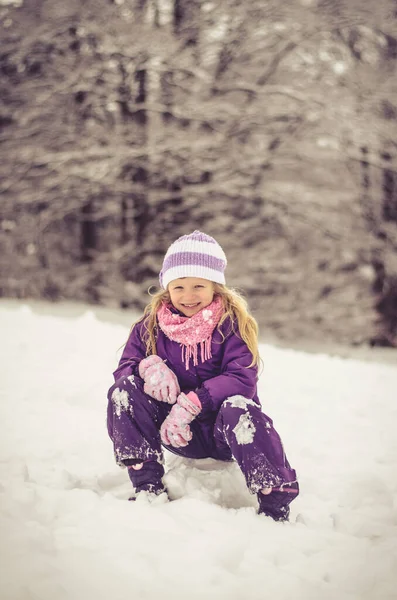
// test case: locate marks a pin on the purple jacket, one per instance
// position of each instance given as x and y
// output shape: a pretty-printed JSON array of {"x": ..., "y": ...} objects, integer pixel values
[{"x": 223, "y": 375}]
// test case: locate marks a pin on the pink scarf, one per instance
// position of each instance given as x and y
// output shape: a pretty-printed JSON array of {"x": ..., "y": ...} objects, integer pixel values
[{"x": 191, "y": 331}]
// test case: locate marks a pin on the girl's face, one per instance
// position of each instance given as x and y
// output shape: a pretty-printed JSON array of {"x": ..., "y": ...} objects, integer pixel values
[{"x": 191, "y": 294}]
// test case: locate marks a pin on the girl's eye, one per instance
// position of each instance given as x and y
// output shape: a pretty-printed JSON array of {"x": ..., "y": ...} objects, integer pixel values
[{"x": 199, "y": 286}]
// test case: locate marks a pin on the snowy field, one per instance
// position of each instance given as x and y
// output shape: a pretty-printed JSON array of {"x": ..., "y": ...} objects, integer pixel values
[{"x": 69, "y": 533}]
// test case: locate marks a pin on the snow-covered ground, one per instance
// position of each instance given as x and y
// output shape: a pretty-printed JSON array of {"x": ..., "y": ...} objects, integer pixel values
[{"x": 68, "y": 532}]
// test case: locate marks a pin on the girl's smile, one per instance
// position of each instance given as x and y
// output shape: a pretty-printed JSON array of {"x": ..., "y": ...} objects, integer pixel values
[{"x": 190, "y": 294}]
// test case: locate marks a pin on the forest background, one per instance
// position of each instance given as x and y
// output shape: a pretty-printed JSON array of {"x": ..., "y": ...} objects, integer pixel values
[{"x": 270, "y": 125}]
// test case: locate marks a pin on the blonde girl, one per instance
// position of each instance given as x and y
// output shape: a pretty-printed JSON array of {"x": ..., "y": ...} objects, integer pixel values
[{"x": 187, "y": 381}]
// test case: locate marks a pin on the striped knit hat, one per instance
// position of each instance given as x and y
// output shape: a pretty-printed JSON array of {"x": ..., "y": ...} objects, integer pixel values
[{"x": 194, "y": 255}]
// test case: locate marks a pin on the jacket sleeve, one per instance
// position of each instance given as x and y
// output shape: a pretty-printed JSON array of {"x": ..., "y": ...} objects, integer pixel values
[
  {"x": 236, "y": 377},
  {"x": 133, "y": 353}
]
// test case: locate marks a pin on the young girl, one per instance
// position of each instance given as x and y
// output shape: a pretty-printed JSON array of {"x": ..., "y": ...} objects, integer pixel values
[{"x": 187, "y": 379}]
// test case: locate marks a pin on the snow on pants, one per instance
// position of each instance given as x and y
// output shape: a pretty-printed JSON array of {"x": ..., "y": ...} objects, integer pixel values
[{"x": 239, "y": 431}]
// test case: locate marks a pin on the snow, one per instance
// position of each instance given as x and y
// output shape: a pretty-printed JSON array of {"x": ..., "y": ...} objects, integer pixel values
[
  {"x": 68, "y": 532},
  {"x": 120, "y": 400},
  {"x": 244, "y": 430}
]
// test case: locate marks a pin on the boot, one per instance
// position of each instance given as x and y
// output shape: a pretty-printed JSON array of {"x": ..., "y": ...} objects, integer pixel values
[
  {"x": 146, "y": 476},
  {"x": 276, "y": 504}
]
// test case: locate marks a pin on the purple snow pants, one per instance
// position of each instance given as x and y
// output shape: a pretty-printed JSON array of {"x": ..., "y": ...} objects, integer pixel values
[{"x": 239, "y": 431}]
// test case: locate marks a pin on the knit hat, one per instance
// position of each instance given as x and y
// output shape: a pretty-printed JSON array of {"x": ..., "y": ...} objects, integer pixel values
[{"x": 194, "y": 255}]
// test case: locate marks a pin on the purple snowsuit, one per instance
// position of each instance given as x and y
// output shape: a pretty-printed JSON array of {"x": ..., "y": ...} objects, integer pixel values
[{"x": 230, "y": 426}]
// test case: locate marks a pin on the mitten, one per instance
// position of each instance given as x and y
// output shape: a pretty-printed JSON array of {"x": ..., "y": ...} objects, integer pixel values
[
  {"x": 175, "y": 430},
  {"x": 160, "y": 382}
]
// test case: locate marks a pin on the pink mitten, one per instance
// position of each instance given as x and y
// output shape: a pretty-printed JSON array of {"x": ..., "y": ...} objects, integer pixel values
[
  {"x": 175, "y": 430},
  {"x": 160, "y": 382}
]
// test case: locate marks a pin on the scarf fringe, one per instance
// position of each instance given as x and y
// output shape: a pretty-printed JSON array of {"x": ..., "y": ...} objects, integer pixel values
[{"x": 191, "y": 351}]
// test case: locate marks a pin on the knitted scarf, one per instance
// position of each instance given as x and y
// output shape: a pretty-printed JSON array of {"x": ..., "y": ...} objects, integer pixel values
[{"x": 190, "y": 332}]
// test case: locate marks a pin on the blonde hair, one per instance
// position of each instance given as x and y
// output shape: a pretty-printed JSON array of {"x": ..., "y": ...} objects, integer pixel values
[{"x": 235, "y": 307}]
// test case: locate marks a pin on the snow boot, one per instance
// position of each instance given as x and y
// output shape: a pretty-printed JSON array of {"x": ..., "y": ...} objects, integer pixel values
[
  {"x": 276, "y": 504},
  {"x": 146, "y": 476}
]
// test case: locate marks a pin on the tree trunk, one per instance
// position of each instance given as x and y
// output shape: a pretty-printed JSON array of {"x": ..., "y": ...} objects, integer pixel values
[
  {"x": 389, "y": 189},
  {"x": 187, "y": 21},
  {"x": 88, "y": 232}
]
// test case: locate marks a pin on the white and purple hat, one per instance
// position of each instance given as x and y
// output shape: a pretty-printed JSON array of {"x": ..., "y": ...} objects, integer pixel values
[{"x": 194, "y": 255}]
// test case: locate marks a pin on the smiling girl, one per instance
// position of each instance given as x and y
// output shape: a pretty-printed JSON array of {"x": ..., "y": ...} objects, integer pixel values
[{"x": 187, "y": 380}]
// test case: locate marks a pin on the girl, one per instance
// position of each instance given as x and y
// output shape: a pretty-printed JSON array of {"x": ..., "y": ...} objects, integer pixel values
[{"x": 187, "y": 380}]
